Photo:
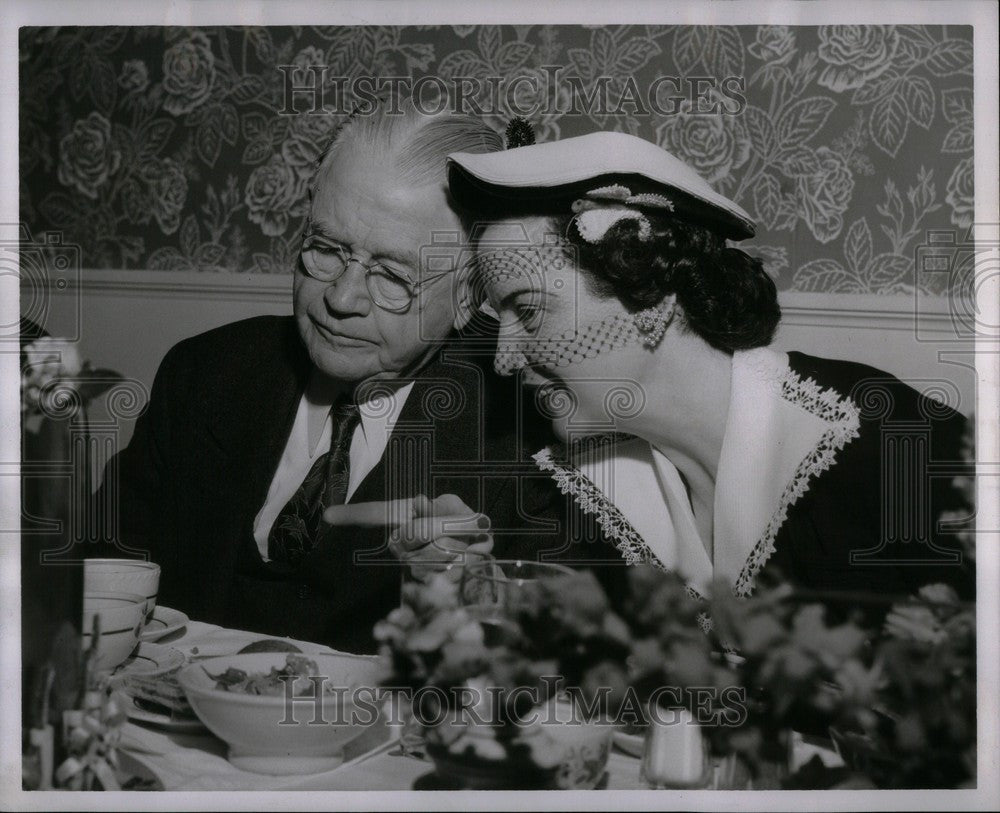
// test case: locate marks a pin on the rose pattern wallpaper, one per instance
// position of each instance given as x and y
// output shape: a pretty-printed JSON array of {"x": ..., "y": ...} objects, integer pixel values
[{"x": 166, "y": 148}]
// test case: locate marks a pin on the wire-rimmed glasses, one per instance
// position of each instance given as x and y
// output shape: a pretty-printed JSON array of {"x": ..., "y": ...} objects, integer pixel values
[{"x": 388, "y": 289}]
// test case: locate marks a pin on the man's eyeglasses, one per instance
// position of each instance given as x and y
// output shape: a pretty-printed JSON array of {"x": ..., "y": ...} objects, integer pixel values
[{"x": 390, "y": 291}]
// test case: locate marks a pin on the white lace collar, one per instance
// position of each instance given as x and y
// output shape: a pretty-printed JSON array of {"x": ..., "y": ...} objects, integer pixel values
[{"x": 781, "y": 432}]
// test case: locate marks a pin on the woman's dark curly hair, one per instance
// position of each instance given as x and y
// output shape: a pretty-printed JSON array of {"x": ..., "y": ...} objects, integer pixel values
[{"x": 726, "y": 296}]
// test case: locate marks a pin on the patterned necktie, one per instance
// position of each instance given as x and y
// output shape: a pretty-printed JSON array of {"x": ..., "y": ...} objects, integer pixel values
[{"x": 297, "y": 528}]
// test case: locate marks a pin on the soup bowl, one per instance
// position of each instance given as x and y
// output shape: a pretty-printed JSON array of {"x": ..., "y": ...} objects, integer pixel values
[{"x": 294, "y": 728}]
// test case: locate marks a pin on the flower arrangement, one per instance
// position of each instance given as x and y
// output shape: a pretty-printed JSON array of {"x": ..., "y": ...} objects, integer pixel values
[
  {"x": 45, "y": 360},
  {"x": 50, "y": 366},
  {"x": 898, "y": 700},
  {"x": 86, "y": 745},
  {"x": 485, "y": 681}
]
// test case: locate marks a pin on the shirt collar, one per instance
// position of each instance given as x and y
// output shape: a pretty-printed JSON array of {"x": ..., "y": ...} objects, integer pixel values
[
  {"x": 379, "y": 411},
  {"x": 785, "y": 426}
]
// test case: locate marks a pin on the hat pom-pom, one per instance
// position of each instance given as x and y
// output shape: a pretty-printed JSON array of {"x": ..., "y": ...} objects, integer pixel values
[{"x": 519, "y": 133}]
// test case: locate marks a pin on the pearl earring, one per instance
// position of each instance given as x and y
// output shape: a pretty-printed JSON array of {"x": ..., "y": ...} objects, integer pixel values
[{"x": 652, "y": 323}]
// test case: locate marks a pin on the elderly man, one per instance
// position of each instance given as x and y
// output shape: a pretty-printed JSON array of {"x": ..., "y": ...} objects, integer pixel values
[{"x": 366, "y": 397}]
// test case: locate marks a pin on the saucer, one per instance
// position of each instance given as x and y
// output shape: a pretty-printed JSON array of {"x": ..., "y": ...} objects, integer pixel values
[{"x": 163, "y": 622}]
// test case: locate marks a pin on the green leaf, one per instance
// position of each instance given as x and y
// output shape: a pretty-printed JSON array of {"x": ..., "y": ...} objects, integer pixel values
[
  {"x": 189, "y": 236},
  {"x": 263, "y": 45},
  {"x": 799, "y": 161},
  {"x": 950, "y": 56},
  {"x": 761, "y": 130},
  {"x": 583, "y": 61},
  {"x": 602, "y": 46},
  {"x": 803, "y": 119},
  {"x": 134, "y": 202},
  {"x": 154, "y": 137},
  {"x": 513, "y": 55},
  {"x": 959, "y": 138},
  {"x": 888, "y": 123},
  {"x": 858, "y": 246},
  {"x": 876, "y": 89},
  {"x": 208, "y": 142},
  {"x": 229, "y": 124},
  {"x": 419, "y": 56},
  {"x": 79, "y": 78},
  {"x": 60, "y": 210},
  {"x": 247, "y": 88},
  {"x": 167, "y": 258},
  {"x": 956, "y": 104},
  {"x": 263, "y": 264},
  {"x": 887, "y": 270},
  {"x": 767, "y": 197},
  {"x": 103, "y": 86},
  {"x": 488, "y": 40},
  {"x": 463, "y": 63},
  {"x": 633, "y": 55},
  {"x": 256, "y": 152},
  {"x": 689, "y": 47},
  {"x": 725, "y": 51},
  {"x": 919, "y": 97},
  {"x": 109, "y": 39},
  {"x": 209, "y": 254},
  {"x": 820, "y": 275},
  {"x": 255, "y": 127}
]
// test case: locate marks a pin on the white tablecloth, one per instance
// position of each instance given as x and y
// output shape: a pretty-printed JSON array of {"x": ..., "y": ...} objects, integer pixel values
[{"x": 197, "y": 761}]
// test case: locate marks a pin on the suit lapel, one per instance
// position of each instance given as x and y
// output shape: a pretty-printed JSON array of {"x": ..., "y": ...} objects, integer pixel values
[
  {"x": 252, "y": 427},
  {"x": 439, "y": 422}
]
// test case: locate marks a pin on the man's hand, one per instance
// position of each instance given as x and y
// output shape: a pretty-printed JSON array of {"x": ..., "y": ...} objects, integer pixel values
[{"x": 429, "y": 535}]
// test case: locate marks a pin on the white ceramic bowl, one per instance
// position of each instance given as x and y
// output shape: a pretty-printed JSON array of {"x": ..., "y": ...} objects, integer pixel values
[
  {"x": 122, "y": 616},
  {"x": 123, "y": 576},
  {"x": 267, "y": 734}
]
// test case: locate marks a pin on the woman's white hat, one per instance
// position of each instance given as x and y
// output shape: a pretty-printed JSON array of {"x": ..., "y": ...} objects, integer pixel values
[{"x": 545, "y": 174}]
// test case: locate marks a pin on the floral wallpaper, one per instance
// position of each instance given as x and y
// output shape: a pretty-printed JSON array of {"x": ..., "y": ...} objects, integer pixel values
[{"x": 174, "y": 149}]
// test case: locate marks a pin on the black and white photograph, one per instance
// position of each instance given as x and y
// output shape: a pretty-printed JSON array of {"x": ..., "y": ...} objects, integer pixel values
[{"x": 499, "y": 406}]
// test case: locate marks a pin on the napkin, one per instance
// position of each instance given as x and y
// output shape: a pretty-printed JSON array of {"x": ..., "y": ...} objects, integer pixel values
[{"x": 198, "y": 761}]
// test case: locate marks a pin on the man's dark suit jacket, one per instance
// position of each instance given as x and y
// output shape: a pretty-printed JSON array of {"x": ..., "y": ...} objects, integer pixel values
[{"x": 201, "y": 461}]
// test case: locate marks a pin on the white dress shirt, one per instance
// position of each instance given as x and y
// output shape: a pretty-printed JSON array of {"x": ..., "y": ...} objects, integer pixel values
[{"x": 310, "y": 438}]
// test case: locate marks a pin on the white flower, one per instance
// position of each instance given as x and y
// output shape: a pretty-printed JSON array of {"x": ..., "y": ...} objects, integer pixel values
[
  {"x": 51, "y": 357},
  {"x": 47, "y": 359}
]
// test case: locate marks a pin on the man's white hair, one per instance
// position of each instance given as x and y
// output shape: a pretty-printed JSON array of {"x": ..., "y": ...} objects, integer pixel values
[{"x": 416, "y": 143}]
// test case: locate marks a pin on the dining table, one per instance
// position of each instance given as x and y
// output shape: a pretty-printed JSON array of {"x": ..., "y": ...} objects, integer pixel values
[
  {"x": 159, "y": 757},
  {"x": 152, "y": 756}
]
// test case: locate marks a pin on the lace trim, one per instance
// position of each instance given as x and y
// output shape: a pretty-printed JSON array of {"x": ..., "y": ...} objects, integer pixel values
[
  {"x": 592, "y": 500},
  {"x": 846, "y": 419}
]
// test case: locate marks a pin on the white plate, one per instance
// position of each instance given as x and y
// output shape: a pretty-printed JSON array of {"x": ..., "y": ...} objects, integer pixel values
[
  {"x": 150, "y": 659},
  {"x": 163, "y": 622},
  {"x": 162, "y": 720}
]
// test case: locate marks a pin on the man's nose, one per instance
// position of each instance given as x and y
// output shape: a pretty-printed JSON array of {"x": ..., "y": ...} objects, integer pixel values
[{"x": 348, "y": 295}]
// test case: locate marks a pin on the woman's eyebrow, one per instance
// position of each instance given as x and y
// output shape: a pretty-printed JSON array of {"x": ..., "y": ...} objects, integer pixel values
[{"x": 508, "y": 297}]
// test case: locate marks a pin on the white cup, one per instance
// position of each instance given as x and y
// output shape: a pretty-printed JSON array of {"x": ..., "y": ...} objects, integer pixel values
[{"x": 123, "y": 576}]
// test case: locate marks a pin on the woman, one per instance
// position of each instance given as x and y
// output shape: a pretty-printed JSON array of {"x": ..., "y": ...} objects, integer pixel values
[{"x": 694, "y": 444}]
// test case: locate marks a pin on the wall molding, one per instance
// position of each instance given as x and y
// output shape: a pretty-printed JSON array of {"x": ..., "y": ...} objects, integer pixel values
[
  {"x": 269, "y": 288},
  {"x": 937, "y": 315}
]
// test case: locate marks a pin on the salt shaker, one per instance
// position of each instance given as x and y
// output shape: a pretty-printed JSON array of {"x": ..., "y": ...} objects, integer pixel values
[{"x": 675, "y": 753}]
